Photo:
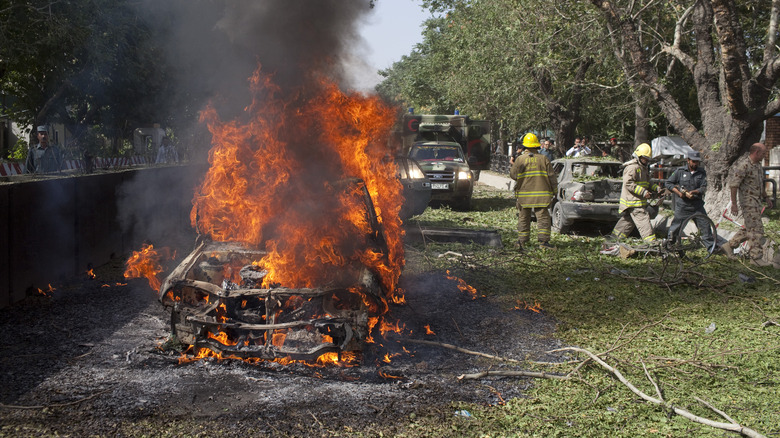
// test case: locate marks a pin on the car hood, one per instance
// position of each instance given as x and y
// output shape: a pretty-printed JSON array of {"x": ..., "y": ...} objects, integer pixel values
[{"x": 442, "y": 166}]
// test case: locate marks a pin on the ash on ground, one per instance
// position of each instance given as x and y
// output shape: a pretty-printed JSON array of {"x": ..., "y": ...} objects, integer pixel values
[{"x": 89, "y": 361}]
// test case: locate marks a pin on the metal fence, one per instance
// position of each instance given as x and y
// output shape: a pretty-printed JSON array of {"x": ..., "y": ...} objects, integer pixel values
[{"x": 500, "y": 164}]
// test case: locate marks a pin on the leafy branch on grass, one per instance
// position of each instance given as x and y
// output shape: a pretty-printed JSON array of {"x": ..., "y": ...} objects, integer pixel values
[
  {"x": 685, "y": 274},
  {"x": 731, "y": 426}
]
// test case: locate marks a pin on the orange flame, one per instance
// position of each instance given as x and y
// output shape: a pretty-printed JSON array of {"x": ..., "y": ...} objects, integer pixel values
[
  {"x": 463, "y": 286},
  {"x": 270, "y": 183},
  {"x": 90, "y": 274},
  {"x": 428, "y": 330},
  {"x": 345, "y": 359},
  {"x": 386, "y": 326},
  {"x": 44, "y": 293},
  {"x": 388, "y": 376},
  {"x": 146, "y": 263},
  {"x": 222, "y": 338},
  {"x": 536, "y": 307}
]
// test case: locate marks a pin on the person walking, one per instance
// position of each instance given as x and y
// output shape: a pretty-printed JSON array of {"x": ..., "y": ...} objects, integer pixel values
[
  {"x": 535, "y": 187},
  {"x": 746, "y": 179},
  {"x": 689, "y": 185},
  {"x": 636, "y": 190}
]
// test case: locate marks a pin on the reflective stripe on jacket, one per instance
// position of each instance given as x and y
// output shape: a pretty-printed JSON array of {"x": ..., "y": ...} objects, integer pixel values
[
  {"x": 636, "y": 182},
  {"x": 536, "y": 182}
]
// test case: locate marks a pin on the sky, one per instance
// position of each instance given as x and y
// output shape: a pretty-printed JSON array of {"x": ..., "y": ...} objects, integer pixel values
[{"x": 392, "y": 31}]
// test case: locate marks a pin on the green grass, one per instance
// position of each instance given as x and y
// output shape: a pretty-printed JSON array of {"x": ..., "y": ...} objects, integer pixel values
[{"x": 643, "y": 311}]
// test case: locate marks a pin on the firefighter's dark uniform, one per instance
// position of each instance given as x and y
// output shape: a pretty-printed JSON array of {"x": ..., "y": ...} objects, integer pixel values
[{"x": 687, "y": 181}]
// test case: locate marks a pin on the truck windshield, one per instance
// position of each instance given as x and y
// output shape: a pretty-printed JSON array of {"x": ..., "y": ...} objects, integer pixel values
[{"x": 437, "y": 153}]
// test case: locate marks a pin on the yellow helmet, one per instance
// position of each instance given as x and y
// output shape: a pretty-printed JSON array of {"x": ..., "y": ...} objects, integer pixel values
[
  {"x": 531, "y": 141},
  {"x": 643, "y": 150}
]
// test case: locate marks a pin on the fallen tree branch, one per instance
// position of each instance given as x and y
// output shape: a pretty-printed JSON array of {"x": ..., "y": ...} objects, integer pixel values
[
  {"x": 462, "y": 350},
  {"x": 732, "y": 427},
  {"x": 507, "y": 373},
  {"x": 716, "y": 410},
  {"x": 759, "y": 273}
]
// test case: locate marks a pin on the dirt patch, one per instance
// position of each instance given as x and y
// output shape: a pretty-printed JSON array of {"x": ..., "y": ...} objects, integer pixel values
[{"x": 87, "y": 361}]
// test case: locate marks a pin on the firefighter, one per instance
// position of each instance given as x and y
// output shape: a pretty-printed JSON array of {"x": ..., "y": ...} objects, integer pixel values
[
  {"x": 637, "y": 189},
  {"x": 535, "y": 187}
]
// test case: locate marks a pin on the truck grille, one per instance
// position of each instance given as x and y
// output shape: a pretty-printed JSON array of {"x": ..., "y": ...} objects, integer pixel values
[{"x": 441, "y": 177}]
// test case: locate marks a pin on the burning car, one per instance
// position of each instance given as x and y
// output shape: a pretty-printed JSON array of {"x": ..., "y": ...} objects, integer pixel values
[
  {"x": 220, "y": 300},
  {"x": 300, "y": 240},
  {"x": 588, "y": 191}
]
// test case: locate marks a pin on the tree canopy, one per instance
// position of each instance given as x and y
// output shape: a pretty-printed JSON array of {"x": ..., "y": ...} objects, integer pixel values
[
  {"x": 704, "y": 69},
  {"x": 84, "y": 63}
]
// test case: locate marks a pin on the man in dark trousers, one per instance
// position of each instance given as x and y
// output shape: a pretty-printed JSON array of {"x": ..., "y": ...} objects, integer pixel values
[{"x": 689, "y": 184}]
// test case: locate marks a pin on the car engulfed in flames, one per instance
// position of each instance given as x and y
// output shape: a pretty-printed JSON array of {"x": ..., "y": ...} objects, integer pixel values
[
  {"x": 300, "y": 239},
  {"x": 220, "y": 302}
]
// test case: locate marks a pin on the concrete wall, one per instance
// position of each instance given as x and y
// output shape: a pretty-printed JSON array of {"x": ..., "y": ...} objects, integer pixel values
[{"x": 54, "y": 229}]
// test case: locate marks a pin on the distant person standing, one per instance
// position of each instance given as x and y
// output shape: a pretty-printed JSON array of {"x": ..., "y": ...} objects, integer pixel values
[
  {"x": 578, "y": 150},
  {"x": 535, "y": 188},
  {"x": 746, "y": 179},
  {"x": 614, "y": 149},
  {"x": 166, "y": 154},
  {"x": 43, "y": 157},
  {"x": 547, "y": 151}
]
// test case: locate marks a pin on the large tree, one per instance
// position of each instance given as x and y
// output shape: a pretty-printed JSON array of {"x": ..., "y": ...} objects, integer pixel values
[
  {"x": 728, "y": 51},
  {"x": 552, "y": 69},
  {"x": 85, "y": 63}
]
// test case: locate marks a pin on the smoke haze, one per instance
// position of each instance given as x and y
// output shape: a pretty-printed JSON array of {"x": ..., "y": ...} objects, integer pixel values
[{"x": 216, "y": 45}]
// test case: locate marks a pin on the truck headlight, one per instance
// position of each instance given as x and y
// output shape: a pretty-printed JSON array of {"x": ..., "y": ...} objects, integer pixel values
[
  {"x": 464, "y": 174},
  {"x": 416, "y": 173}
]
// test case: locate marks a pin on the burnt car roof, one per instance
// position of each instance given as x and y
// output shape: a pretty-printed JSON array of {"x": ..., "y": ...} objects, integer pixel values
[{"x": 588, "y": 160}]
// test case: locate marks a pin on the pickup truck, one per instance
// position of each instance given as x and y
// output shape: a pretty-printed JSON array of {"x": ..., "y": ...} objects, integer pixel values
[{"x": 444, "y": 164}]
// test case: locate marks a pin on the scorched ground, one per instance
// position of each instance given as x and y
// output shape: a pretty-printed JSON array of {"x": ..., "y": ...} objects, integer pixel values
[{"x": 89, "y": 361}]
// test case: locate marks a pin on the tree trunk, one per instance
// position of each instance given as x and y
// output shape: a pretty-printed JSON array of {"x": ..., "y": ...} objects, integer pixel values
[
  {"x": 642, "y": 128},
  {"x": 733, "y": 101}
]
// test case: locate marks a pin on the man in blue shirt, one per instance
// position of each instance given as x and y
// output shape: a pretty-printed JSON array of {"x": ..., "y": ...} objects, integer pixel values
[
  {"x": 43, "y": 157},
  {"x": 689, "y": 184}
]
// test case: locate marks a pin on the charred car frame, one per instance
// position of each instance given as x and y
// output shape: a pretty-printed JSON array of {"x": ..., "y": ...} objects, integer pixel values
[{"x": 217, "y": 301}]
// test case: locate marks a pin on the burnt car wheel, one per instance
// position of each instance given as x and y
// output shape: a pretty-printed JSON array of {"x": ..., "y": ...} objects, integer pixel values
[{"x": 560, "y": 224}]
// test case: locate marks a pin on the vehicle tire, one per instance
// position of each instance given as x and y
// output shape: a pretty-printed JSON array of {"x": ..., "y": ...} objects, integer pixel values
[
  {"x": 559, "y": 224},
  {"x": 690, "y": 245}
]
